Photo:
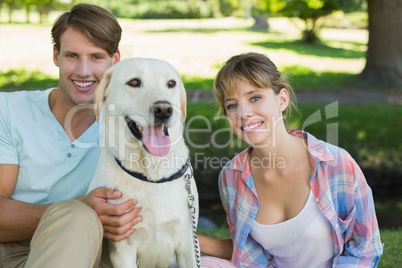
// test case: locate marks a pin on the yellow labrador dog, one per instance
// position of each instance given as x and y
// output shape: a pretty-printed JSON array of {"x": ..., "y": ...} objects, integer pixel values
[{"x": 144, "y": 156}]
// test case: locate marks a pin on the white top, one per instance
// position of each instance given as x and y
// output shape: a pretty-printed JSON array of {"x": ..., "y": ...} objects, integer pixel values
[
  {"x": 51, "y": 167},
  {"x": 303, "y": 241}
]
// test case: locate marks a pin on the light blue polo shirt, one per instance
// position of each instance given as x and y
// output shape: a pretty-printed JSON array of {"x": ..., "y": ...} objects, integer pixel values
[{"x": 51, "y": 167}]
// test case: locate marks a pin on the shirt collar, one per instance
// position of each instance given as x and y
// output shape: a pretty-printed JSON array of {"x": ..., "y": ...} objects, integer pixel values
[
  {"x": 239, "y": 162},
  {"x": 318, "y": 149}
]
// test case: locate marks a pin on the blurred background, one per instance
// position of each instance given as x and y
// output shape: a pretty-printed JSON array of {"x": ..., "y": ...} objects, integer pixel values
[{"x": 342, "y": 55}]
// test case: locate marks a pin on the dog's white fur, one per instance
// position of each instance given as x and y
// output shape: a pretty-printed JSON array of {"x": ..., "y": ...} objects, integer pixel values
[{"x": 165, "y": 229}]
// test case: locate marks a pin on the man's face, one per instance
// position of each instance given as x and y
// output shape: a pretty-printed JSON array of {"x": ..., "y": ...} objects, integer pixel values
[{"x": 81, "y": 67}]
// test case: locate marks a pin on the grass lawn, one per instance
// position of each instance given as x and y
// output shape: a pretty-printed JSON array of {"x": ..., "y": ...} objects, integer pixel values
[
  {"x": 392, "y": 240},
  {"x": 300, "y": 77},
  {"x": 198, "y": 48}
]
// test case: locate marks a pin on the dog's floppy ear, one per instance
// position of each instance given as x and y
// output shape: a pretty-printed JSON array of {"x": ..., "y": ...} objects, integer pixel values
[
  {"x": 183, "y": 101},
  {"x": 100, "y": 92}
]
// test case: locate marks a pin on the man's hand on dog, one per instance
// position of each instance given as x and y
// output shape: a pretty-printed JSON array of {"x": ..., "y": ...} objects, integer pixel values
[{"x": 117, "y": 219}]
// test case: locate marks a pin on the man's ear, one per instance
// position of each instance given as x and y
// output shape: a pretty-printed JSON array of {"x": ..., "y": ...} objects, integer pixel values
[
  {"x": 101, "y": 92},
  {"x": 56, "y": 56},
  {"x": 116, "y": 57},
  {"x": 283, "y": 99}
]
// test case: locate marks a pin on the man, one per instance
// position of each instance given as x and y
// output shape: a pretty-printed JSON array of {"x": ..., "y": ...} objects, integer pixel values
[{"x": 49, "y": 151}]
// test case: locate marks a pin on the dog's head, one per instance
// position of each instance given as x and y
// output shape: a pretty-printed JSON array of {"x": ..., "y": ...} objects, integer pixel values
[{"x": 149, "y": 97}]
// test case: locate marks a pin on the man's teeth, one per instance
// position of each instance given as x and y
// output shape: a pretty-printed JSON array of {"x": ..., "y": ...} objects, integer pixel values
[
  {"x": 83, "y": 84},
  {"x": 252, "y": 126}
]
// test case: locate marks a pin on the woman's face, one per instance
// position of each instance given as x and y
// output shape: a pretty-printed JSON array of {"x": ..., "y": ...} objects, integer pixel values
[{"x": 255, "y": 114}]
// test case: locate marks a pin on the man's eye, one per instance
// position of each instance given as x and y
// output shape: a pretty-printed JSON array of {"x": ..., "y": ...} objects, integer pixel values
[
  {"x": 98, "y": 57},
  {"x": 71, "y": 55},
  {"x": 136, "y": 82},
  {"x": 171, "y": 84}
]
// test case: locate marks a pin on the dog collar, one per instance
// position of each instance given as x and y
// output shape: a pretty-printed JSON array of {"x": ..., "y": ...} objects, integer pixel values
[{"x": 142, "y": 177}]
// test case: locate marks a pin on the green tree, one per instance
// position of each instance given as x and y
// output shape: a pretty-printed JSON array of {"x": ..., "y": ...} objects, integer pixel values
[
  {"x": 12, "y": 5},
  {"x": 43, "y": 8},
  {"x": 227, "y": 7},
  {"x": 260, "y": 10},
  {"x": 27, "y": 4},
  {"x": 1, "y": 5},
  {"x": 311, "y": 10}
]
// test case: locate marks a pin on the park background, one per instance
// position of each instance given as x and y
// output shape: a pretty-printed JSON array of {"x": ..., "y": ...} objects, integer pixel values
[{"x": 341, "y": 56}]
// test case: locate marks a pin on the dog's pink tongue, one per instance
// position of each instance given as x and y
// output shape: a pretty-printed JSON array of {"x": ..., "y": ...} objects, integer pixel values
[{"x": 155, "y": 140}]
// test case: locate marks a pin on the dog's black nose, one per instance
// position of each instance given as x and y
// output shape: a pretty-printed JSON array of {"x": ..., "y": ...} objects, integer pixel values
[{"x": 162, "y": 110}]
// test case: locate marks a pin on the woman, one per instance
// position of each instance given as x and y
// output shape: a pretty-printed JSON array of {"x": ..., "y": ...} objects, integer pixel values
[{"x": 291, "y": 200}]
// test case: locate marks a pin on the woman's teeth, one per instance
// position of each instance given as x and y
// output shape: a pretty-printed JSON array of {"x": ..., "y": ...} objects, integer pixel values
[
  {"x": 252, "y": 126},
  {"x": 84, "y": 84}
]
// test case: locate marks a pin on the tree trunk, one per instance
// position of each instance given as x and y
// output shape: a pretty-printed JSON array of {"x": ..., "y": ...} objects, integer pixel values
[
  {"x": 310, "y": 31},
  {"x": 27, "y": 15},
  {"x": 10, "y": 14},
  {"x": 384, "y": 49},
  {"x": 42, "y": 14},
  {"x": 261, "y": 22}
]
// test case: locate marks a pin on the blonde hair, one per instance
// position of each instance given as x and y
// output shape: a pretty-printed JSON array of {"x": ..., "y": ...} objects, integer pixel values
[{"x": 254, "y": 68}]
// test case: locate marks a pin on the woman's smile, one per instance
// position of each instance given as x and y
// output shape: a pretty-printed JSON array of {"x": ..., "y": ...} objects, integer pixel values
[{"x": 251, "y": 127}]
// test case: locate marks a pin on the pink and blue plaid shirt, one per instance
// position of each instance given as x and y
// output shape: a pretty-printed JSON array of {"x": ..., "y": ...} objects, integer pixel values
[{"x": 339, "y": 188}]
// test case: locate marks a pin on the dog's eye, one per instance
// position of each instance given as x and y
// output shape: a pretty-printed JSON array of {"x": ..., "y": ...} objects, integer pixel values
[
  {"x": 171, "y": 84},
  {"x": 134, "y": 82}
]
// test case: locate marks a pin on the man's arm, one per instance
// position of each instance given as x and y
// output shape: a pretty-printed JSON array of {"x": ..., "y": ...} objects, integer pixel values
[{"x": 18, "y": 220}]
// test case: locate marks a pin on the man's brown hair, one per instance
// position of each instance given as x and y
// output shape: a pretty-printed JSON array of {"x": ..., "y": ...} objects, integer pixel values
[{"x": 98, "y": 25}]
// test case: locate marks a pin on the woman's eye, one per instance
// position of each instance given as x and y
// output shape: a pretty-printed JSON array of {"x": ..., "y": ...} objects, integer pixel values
[
  {"x": 256, "y": 98},
  {"x": 230, "y": 106},
  {"x": 134, "y": 82}
]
